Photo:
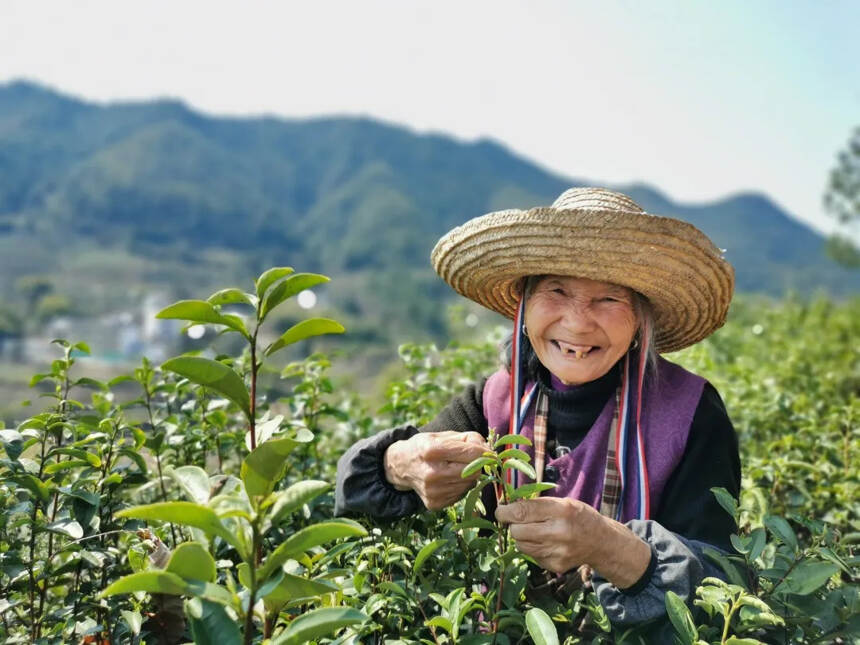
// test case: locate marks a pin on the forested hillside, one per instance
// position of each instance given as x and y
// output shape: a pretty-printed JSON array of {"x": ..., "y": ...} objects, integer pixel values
[{"x": 113, "y": 199}]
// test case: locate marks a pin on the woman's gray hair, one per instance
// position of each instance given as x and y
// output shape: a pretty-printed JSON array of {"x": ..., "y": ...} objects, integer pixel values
[{"x": 641, "y": 308}]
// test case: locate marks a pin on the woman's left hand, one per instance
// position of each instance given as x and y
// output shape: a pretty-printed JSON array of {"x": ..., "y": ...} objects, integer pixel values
[{"x": 561, "y": 534}]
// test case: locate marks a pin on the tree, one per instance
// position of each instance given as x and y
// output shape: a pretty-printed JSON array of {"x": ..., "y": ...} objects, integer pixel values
[{"x": 842, "y": 200}]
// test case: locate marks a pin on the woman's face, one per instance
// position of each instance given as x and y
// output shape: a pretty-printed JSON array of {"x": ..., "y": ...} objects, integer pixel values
[{"x": 579, "y": 328}]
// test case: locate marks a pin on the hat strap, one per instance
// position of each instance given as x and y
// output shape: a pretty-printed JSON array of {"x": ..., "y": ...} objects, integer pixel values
[{"x": 519, "y": 400}]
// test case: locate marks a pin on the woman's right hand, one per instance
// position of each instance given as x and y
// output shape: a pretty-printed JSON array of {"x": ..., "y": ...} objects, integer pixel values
[{"x": 430, "y": 463}]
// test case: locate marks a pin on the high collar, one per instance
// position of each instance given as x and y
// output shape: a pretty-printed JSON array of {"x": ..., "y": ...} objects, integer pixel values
[{"x": 597, "y": 390}]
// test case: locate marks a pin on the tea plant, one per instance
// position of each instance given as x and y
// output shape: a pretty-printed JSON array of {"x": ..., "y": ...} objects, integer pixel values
[{"x": 191, "y": 500}]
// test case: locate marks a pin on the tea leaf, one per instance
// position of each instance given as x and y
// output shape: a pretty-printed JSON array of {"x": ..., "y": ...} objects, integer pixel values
[
  {"x": 212, "y": 374},
  {"x": 540, "y": 627},
  {"x": 806, "y": 577},
  {"x": 192, "y": 562},
  {"x": 270, "y": 277},
  {"x": 681, "y": 619},
  {"x": 150, "y": 581},
  {"x": 306, "y": 539},
  {"x": 782, "y": 530},
  {"x": 476, "y": 465},
  {"x": 231, "y": 297},
  {"x": 318, "y": 622},
  {"x": 264, "y": 466},
  {"x": 288, "y": 288},
  {"x": 509, "y": 439},
  {"x": 426, "y": 551},
  {"x": 305, "y": 329},
  {"x": 185, "y": 513},
  {"x": 194, "y": 482},
  {"x": 522, "y": 466},
  {"x": 211, "y": 624},
  {"x": 296, "y": 496},
  {"x": 201, "y": 312}
]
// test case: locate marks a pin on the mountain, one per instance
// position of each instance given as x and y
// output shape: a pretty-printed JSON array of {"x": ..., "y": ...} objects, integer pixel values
[{"x": 106, "y": 197}]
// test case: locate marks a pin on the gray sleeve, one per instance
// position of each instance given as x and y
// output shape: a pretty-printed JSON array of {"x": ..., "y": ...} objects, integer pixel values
[
  {"x": 680, "y": 567},
  {"x": 361, "y": 487}
]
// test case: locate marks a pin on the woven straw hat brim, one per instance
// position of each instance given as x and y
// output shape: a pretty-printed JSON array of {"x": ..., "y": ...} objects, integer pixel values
[{"x": 667, "y": 260}]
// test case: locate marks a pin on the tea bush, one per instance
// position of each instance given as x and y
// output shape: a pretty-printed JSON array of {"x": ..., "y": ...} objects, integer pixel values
[{"x": 201, "y": 508}]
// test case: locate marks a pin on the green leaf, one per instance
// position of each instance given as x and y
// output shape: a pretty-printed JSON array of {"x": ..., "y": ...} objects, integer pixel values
[
  {"x": 476, "y": 465},
  {"x": 41, "y": 490},
  {"x": 149, "y": 581},
  {"x": 270, "y": 277},
  {"x": 307, "y": 538},
  {"x": 318, "y": 622},
  {"x": 726, "y": 500},
  {"x": 231, "y": 296},
  {"x": 185, "y": 513},
  {"x": 202, "y": 312},
  {"x": 780, "y": 527},
  {"x": 806, "y": 577},
  {"x": 510, "y": 439},
  {"x": 136, "y": 457},
  {"x": 426, "y": 551},
  {"x": 211, "y": 624},
  {"x": 758, "y": 540},
  {"x": 133, "y": 619},
  {"x": 293, "y": 587},
  {"x": 264, "y": 466},
  {"x": 305, "y": 329},
  {"x": 296, "y": 496},
  {"x": 527, "y": 490},
  {"x": 681, "y": 619},
  {"x": 734, "y": 640},
  {"x": 191, "y": 561},
  {"x": 214, "y": 375},
  {"x": 288, "y": 288},
  {"x": 522, "y": 466},
  {"x": 540, "y": 627},
  {"x": 193, "y": 481},
  {"x": 66, "y": 527},
  {"x": 514, "y": 453}
]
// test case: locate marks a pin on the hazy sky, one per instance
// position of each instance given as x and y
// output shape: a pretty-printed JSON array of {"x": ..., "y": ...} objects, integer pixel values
[{"x": 701, "y": 99}]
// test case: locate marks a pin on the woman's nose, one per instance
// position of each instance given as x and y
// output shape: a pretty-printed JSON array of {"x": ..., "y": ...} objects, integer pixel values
[{"x": 578, "y": 314}]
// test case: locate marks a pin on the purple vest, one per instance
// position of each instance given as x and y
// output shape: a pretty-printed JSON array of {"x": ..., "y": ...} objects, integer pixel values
[{"x": 667, "y": 413}]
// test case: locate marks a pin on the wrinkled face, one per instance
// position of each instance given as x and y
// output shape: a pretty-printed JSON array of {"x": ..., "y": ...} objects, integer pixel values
[{"x": 579, "y": 328}]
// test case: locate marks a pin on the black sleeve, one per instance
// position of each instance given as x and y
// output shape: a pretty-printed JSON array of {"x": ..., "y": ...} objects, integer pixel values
[
  {"x": 688, "y": 507},
  {"x": 361, "y": 486}
]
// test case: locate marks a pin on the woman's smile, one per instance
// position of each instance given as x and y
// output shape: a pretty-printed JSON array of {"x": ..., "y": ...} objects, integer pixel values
[{"x": 579, "y": 328}]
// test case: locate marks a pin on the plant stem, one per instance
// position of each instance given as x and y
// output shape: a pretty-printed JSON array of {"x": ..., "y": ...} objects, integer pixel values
[
  {"x": 253, "y": 408},
  {"x": 252, "y": 591}
]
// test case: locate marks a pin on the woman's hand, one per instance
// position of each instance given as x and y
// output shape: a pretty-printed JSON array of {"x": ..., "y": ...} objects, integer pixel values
[
  {"x": 561, "y": 534},
  {"x": 430, "y": 463}
]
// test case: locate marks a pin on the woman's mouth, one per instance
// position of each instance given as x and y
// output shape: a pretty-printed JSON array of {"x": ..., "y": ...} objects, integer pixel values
[{"x": 576, "y": 351}]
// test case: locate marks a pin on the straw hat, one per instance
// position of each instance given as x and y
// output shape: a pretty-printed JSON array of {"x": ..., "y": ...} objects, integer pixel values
[{"x": 598, "y": 234}]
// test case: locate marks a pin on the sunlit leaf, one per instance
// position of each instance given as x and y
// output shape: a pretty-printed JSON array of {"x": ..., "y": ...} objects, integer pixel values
[
  {"x": 212, "y": 374},
  {"x": 540, "y": 627},
  {"x": 149, "y": 581},
  {"x": 318, "y": 622},
  {"x": 186, "y": 513},
  {"x": 201, "y": 312},
  {"x": 270, "y": 277},
  {"x": 288, "y": 288},
  {"x": 264, "y": 466},
  {"x": 191, "y": 561},
  {"x": 305, "y": 329},
  {"x": 307, "y": 538}
]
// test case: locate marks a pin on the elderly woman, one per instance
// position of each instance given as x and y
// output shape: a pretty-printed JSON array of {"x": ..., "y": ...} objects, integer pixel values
[{"x": 597, "y": 288}]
